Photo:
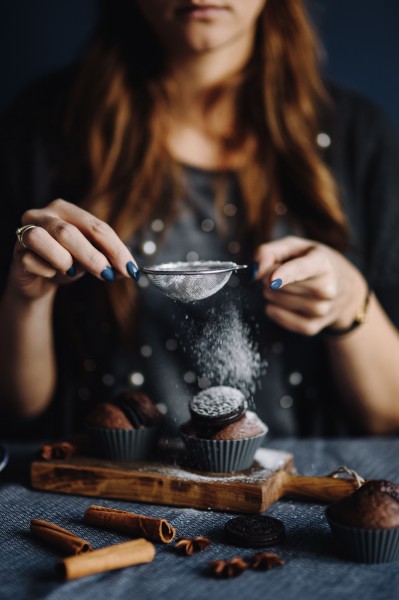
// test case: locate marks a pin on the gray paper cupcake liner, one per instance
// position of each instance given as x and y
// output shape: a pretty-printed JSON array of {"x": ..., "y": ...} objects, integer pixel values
[
  {"x": 366, "y": 545},
  {"x": 124, "y": 444},
  {"x": 221, "y": 456}
]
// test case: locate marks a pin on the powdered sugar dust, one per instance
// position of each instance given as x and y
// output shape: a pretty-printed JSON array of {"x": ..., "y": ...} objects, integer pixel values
[{"x": 224, "y": 352}]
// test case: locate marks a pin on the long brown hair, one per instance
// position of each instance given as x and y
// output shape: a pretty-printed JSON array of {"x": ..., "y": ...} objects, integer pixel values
[{"x": 279, "y": 99}]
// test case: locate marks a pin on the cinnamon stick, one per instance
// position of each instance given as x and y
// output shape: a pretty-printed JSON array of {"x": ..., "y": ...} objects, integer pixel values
[
  {"x": 158, "y": 530},
  {"x": 57, "y": 451},
  {"x": 135, "y": 552},
  {"x": 60, "y": 538}
]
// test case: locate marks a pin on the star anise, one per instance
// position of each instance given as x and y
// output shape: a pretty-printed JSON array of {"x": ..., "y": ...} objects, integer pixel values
[
  {"x": 188, "y": 547},
  {"x": 57, "y": 450},
  {"x": 263, "y": 561},
  {"x": 228, "y": 568}
]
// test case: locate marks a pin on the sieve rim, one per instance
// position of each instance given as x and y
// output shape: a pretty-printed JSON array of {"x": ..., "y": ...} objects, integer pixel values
[{"x": 183, "y": 273}]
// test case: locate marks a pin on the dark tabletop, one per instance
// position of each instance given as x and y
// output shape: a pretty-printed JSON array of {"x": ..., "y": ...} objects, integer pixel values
[{"x": 313, "y": 569}]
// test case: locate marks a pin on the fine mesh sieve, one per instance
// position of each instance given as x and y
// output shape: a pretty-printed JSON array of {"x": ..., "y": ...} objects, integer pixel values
[{"x": 191, "y": 281}]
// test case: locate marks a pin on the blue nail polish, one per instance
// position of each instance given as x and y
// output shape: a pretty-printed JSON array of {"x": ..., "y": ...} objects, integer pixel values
[
  {"x": 108, "y": 274},
  {"x": 275, "y": 284},
  {"x": 71, "y": 271},
  {"x": 254, "y": 268},
  {"x": 133, "y": 270}
]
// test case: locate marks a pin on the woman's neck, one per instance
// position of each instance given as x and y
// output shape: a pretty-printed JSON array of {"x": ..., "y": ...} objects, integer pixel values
[
  {"x": 195, "y": 134},
  {"x": 194, "y": 73}
]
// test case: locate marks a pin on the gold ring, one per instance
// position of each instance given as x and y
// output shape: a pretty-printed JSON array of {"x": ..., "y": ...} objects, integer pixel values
[{"x": 20, "y": 232}]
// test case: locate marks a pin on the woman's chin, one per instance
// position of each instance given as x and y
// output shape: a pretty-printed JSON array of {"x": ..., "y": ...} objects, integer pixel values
[{"x": 195, "y": 42}]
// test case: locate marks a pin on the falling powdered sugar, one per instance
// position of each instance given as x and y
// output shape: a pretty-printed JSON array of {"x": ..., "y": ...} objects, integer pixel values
[{"x": 225, "y": 352}]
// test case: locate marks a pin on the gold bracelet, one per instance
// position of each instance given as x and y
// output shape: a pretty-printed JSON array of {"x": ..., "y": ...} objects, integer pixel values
[{"x": 360, "y": 318}]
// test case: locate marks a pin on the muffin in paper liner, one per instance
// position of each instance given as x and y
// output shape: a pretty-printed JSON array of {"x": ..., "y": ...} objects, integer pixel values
[
  {"x": 365, "y": 545},
  {"x": 124, "y": 444},
  {"x": 221, "y": 456}
]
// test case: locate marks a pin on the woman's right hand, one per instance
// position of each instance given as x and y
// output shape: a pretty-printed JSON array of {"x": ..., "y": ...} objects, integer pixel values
[{"x": 65, "y": 243}]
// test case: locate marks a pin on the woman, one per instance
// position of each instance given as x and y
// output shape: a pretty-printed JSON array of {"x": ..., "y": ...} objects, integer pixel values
[{"x": 196, "y": 129}]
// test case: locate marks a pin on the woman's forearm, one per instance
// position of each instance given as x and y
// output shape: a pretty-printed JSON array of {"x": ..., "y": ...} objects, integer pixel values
[
  {"x": 366, "y": 368},
  {"x": 310, "y": 287},
  {"x": 55, "y": 239},
  {"x": 27, "y": 361}
]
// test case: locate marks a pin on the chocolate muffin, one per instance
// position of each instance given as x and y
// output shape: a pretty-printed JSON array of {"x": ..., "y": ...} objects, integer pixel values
[
  {"x": 108, "y": 416},
  {"x": 222, "y": 435},
  {"x": 366, "y": 523},
  {"x": 249, "y": 426},
  {"x": 125, "y": 429},
  {"x": 139, "y": 408}
]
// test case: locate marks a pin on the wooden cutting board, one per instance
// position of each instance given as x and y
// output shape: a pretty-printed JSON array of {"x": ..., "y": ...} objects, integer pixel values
[{"x": 271, "y": 477}]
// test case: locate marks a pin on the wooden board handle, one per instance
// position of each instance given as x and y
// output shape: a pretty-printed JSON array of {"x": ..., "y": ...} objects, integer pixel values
[{"x": 326, "y": 489}]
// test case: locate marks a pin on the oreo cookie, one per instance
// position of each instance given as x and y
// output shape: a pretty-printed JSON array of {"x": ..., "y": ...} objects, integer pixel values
[
  {"x": 217, "y": 406},
  {"x": 254, "y": 531}
]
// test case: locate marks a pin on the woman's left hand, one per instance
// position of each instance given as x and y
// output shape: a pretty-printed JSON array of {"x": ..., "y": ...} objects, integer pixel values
[{"x": 309, "y": 286}]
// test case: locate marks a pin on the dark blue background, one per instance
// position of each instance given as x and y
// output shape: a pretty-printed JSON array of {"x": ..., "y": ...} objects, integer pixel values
[{"x": 361, "y": 38}]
